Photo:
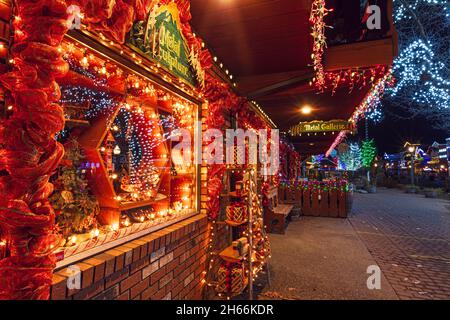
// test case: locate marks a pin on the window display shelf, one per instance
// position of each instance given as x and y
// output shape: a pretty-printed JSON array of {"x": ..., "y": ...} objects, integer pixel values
[
  {"x": 229, "y": 254},
  {"x": 113, "y": 238},
  {"x": 138, "y": 204}
]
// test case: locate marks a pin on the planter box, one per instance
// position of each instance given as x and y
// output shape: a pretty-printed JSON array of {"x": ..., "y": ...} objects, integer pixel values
[{"x": 318, "y": 202}]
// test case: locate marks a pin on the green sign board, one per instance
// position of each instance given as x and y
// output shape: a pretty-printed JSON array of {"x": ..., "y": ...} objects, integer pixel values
[
  {"x": 159, "y": 37},
  {"x": 321, "y": 126}
]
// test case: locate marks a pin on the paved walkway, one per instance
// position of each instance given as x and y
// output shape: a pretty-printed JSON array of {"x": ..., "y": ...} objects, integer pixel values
[
  {"x": 408, "y": 236},
  {"x": 321, "y": 258}
]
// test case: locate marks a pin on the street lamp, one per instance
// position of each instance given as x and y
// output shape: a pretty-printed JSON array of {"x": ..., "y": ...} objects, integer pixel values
[
  {"x": 306, "y": 110},
  {"x": 411, "y": 148}
]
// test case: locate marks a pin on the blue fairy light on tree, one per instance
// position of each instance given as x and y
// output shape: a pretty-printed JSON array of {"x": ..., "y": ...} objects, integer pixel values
[{"x": 422, "y": 67}]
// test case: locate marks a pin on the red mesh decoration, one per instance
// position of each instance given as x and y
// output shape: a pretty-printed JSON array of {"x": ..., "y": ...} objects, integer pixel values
[{"x": 29, "y": 153}]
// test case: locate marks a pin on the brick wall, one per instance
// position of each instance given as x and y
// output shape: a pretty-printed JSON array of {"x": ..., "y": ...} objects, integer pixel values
[{"x": 167, "y": 264}]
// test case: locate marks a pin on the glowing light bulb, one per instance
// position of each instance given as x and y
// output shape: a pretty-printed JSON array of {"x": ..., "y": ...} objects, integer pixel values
[
  {"x": 95, "y": 233},
  {"x": 306, "y": 110},
  {"x": 84, "y": 62},
  {"x": 116, "y": 150}
]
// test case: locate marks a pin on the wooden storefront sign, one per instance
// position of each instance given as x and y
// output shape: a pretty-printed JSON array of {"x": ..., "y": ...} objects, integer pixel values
[{"x": 321, "y": 126}]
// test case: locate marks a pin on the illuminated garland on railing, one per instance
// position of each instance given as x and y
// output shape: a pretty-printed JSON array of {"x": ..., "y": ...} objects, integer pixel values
[
  {"x": 353, "y": 78},
  {"x": 336, "y": 184}
]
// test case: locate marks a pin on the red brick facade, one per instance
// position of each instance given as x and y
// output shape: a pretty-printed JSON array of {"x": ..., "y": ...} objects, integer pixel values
[{"x": 167, "y": 264}]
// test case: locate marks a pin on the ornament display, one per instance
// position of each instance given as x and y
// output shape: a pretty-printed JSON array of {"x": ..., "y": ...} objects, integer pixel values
[
  {"x": 237, "y": 213},
  {"x": 132, "y": 155},
  {"x": 241, "y": 246},
  {"x": 231, "y": 279}
]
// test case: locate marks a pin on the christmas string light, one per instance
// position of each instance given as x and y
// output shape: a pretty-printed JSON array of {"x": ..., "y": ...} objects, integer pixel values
[
  {"x": 422, "y": 68},
  {"x": 373, "y": 98},
  {"x": 352, "y": 158},
  {"x": 404, "y": 13},
  {"x": 138, "y": 132},
  {"x": 368, "y": 153},
  {"x": 323, "y": 80},
  {"x": 417, "y": 67},
  {"x": 375, "y": 114},
  {"x": 340, "y": 137},
  {"x": 318, "y": 13},
  {"x": 333, "y": 184},
  {"x": 142, "y": 131},
  {"x": 369, "y": 105},
  {"x": 352, "y": 78},
  {"x": 98, "y": 102}
]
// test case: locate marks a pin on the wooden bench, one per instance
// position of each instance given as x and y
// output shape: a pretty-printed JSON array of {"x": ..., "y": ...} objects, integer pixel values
[{"x": 276, "y": 215}]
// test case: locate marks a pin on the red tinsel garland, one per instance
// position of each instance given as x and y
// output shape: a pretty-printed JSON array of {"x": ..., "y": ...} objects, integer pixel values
[
  {"x": 30, "y": 153},
  {"x": 288, "y": 152},
  {"x": 221, "y": 99}
]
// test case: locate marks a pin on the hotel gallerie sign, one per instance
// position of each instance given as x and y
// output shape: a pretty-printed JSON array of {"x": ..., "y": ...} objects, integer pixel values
[
  {"x": 160, "y": 38},
  {"x": 321, "y": 126}
]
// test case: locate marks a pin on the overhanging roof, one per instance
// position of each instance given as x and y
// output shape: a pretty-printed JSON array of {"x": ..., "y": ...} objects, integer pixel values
[{"x": 266, "y": 45}]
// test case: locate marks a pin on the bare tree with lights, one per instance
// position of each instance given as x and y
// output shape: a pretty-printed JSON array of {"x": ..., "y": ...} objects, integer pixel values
[{"x": 422, "y": 68}]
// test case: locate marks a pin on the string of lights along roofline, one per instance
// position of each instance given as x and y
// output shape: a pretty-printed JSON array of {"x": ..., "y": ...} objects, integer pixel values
[
  {"x": 153, "y": 67},
  {"x": 234, "y": 83}
]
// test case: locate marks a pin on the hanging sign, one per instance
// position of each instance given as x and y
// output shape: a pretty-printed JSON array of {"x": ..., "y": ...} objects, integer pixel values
[
  {"x": 160, "y": 38},
  {"x": 321, "y": 126}
]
